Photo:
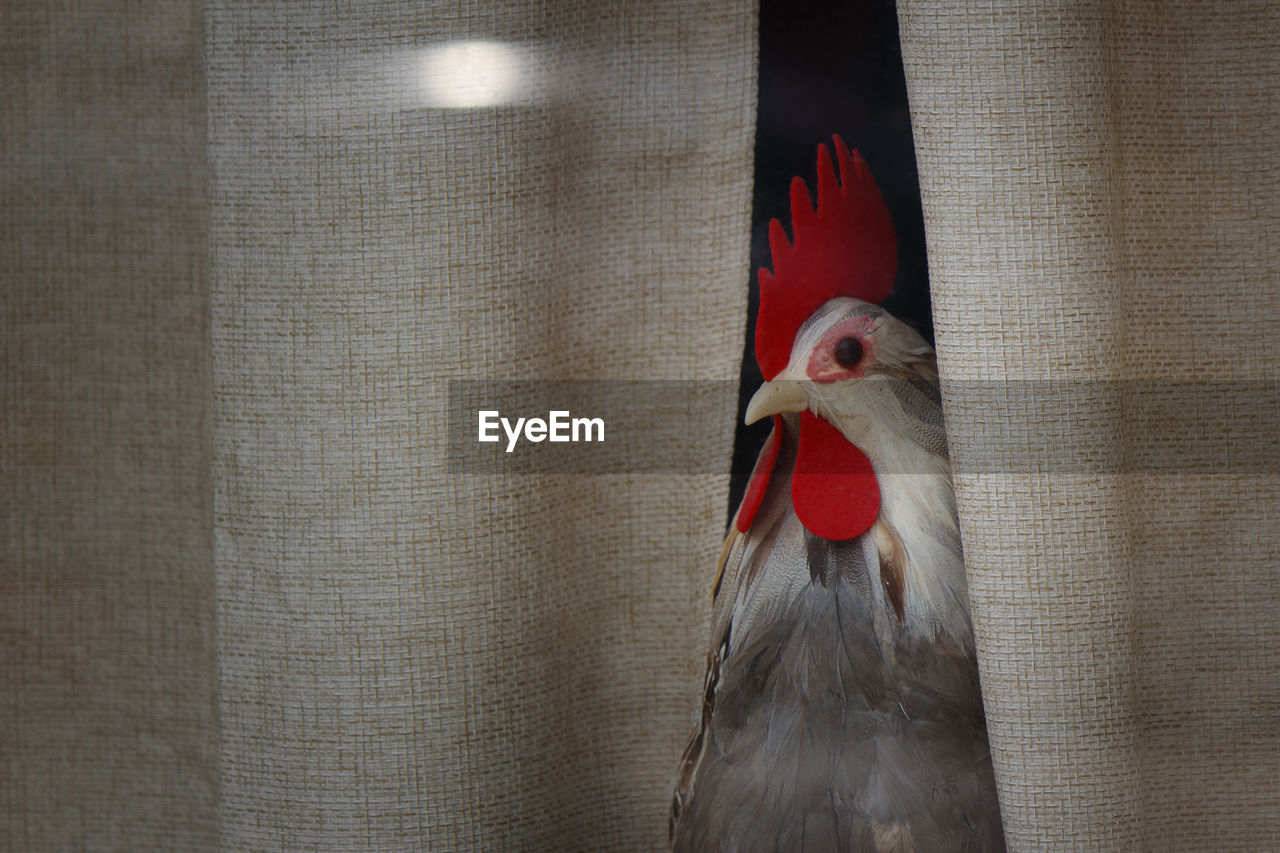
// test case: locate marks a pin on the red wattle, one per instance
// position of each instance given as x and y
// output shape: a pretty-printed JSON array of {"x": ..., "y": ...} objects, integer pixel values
[
  {"x": 834, "y": 489},
  {"x": 759, "y": 482}
]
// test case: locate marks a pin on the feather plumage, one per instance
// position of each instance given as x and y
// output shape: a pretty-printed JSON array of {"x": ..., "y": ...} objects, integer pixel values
[
  {"x": 841, "y": 708},
  {"x": 828, "y": 723}
]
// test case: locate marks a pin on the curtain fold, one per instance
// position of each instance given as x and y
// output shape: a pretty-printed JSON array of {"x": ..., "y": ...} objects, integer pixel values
[
  {"x": 108, "y": 674},
  {"x": 416, "y": 653},
  {"x": 1101, "y": 211}
]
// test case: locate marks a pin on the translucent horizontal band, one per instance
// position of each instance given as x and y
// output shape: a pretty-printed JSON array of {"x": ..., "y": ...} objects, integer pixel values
[{"x": 1031, "y": 427}]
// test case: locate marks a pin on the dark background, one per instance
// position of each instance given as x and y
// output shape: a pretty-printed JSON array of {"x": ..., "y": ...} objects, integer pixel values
[{"x": 829, "y": 68}]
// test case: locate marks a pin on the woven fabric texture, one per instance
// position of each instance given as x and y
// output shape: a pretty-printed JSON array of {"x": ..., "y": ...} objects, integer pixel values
[
  {"x": 1101, "y": 208},
  {"x": 414, "y": 656},
  {"x": 108, "y": 737}
]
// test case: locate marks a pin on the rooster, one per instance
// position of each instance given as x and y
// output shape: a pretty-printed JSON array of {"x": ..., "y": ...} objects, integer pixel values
[{"x": 841, "y": 708}]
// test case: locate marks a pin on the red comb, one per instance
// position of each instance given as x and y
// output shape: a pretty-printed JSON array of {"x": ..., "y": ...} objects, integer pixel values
[{"x": 846, "y": 248}]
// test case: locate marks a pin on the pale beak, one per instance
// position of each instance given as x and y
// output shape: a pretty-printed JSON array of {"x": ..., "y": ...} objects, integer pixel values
[{"x": 776, "y": 397}]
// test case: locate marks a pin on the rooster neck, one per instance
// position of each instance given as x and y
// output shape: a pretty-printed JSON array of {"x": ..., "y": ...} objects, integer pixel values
[{"x": 914, "y": 544}]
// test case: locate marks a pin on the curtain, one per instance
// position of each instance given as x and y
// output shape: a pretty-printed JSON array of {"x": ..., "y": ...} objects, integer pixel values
[
  {"x": 108, "y": 667},
  {"x": 1101, "y": 209},
  {"x": 246, "y": 250}
]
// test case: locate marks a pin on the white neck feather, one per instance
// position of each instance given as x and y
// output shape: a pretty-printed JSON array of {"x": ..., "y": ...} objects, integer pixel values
[{"x": 917, "y": 507}]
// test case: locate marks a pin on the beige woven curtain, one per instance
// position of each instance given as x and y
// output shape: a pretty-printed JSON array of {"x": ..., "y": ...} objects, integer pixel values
[
  {"x": 412, "y": 655},
  {"x": 108, "y": 667},
  {"x": 1102, "y": 210},
  {"x": 226, "y": 357}
]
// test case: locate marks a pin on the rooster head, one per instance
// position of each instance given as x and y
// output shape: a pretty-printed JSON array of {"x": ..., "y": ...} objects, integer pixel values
[{"x": 821, "y": 337}]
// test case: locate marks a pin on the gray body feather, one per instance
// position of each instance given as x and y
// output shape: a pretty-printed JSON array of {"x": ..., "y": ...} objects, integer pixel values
[{"x": 831, "y": 720}]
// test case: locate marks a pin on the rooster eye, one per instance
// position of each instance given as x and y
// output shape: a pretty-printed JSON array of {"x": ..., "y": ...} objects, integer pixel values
[{"x": 848, "y": 352}]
